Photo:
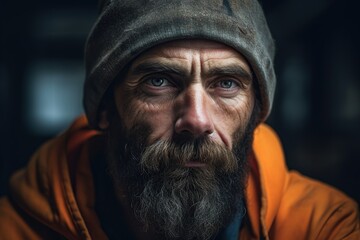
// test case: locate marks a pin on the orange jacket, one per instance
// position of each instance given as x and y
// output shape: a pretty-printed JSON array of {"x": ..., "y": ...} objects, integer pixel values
[{"x": 46, "y": 201}]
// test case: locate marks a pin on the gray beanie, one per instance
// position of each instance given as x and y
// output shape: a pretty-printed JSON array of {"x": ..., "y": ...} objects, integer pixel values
[{"x": 126, "y": 28}]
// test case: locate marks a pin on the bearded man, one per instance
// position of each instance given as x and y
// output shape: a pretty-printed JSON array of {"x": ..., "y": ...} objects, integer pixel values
[{"x": 173, "y": 145}]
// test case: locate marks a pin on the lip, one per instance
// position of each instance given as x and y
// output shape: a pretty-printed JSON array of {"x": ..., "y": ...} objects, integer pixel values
[{"x": 195, "y": 164}]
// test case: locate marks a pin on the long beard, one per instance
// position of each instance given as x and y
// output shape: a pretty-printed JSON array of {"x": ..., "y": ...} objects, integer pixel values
[{"x": 175, "y": 201}]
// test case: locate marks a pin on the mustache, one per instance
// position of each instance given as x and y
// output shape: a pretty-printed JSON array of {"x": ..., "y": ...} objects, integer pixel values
[{"x": 167, "y": 154}]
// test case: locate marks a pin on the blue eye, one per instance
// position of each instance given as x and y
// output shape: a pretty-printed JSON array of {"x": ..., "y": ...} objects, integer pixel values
[
  {"x": 226, "y": 83},
  {"x": 158, "y": 82}
]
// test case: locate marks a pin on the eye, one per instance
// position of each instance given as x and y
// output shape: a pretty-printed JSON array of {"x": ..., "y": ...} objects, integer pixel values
[
  {"x": 157, "y": 85},
  {"x": 226, "y": 87},
  {"x": 158, "y": 82},
  {"x": 227, "y": 83}
]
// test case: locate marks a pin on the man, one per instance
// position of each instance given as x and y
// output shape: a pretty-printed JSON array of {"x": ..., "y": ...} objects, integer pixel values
[{"x": 178, "y": 92}]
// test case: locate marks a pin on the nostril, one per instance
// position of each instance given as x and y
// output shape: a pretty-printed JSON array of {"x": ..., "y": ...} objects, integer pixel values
[{"x": 210, "y": 131}]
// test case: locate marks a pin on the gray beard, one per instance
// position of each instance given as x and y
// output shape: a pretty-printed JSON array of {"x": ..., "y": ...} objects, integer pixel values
[{"x": 171, "y": 200}]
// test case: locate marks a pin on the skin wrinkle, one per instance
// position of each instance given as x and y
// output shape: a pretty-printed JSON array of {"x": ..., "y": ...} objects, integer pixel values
[
  {"x": 157, "y": 66},
  {"x": 177, "y": 57},
  {"x": 143, "y": 103},
  {"x": 136, "y": 108}
]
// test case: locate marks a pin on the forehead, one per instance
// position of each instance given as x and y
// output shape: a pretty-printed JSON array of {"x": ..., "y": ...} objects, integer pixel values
[{"x": 188, "y": 50}]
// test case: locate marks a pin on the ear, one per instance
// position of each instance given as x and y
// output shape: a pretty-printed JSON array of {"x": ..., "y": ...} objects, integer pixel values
[{"x": 103, "y": 120}]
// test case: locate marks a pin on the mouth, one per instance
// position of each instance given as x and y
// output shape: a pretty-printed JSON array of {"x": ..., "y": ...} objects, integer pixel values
[{"x": 194, "y": 164}]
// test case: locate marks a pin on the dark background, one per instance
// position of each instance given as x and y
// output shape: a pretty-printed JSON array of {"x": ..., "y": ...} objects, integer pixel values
[{"x": 316, "y": 110}]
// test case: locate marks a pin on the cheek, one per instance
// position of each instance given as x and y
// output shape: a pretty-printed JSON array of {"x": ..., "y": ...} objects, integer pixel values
[
  {"x": 158, "y": 117},
  {"x": 232, "y": 117}
]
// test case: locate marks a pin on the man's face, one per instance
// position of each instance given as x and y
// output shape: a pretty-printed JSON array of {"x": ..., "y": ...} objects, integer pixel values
[
  {"x": 180, "y": 137},
  {"x": 198, "y": 88}
]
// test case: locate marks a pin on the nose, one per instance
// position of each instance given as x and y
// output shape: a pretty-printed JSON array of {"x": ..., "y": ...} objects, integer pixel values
[{"x": 194, "y": 113}]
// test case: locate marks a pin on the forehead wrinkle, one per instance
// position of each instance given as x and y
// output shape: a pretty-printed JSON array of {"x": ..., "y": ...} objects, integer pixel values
[
  {"x": 157, "y": 57},
  {"x": 238, "y": 59},
  {"x": 189, "y": 58},
  {"x": 219, "y": 53},
  {"x": 170, "y": 64},
  {"x": 193, "y": 57},
  {"x": 165, "y": 51}
]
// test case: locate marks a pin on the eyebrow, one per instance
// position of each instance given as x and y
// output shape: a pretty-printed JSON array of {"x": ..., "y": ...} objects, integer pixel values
[
  {"x": 231, "y": 70},
  {"x": 157, "y": 67}
]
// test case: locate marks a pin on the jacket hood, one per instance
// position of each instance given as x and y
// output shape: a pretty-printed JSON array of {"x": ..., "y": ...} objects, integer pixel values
[
  {"x": 44, "y": 188},
  {"x": 125, "y": 29},
  {"x": 49, "y": 191}
]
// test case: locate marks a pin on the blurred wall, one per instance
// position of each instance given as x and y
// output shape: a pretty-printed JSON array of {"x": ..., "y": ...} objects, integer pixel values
[{"x": 317, "y": 105}]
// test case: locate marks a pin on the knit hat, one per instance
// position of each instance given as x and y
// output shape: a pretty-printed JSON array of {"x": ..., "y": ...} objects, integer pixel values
[{"x": 126, "y": 28}]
